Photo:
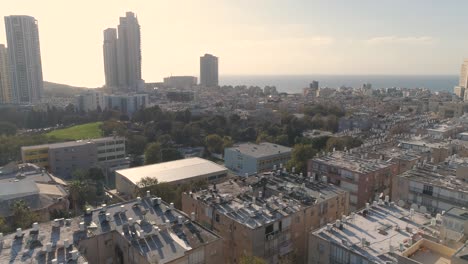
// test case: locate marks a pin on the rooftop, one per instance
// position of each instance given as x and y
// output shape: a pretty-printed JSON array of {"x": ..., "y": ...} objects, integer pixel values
[
  {"x": 352, "y": 163},
  {"x": 31, "y": 246},
  {"x": 260, "y": 150},
  {"x": 266, "y": 198},
  {"x": 437, "y": 175},
  {"x": 173, "y": 170},
  {"x": 152, "y": 227},
  {"x": 71, "y": 143},
  {"x": 376, "y": 231}
]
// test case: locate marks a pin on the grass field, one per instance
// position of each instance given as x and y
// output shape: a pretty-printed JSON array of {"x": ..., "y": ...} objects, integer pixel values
[{"x": 85, "y": 131}]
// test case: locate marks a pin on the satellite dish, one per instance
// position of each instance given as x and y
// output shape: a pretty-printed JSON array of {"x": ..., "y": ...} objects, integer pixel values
[
  {"x": 414, "y": 206},
  {"x": 401, "y": 203}
]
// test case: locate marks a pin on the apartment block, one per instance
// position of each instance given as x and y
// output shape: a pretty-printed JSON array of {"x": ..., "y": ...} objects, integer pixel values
[
  {"x": 146, "y": 230},
  {"x": 268, "y": 215},
  {"x": 126, "y": 103},
  {"x": 434, "y": 187},
  {"x": 249, "y": 158},
  {"x": 90, "y": 101},
  {"x": 364, "y": 178},
  {"x": 64, "y": 158},
  {"x": 379, "y": 234},
  {"x": 454, "y": 227}
]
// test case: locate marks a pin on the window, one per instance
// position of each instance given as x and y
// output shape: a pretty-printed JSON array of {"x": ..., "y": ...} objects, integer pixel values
[
  {"x": 217, "y": 218},
  {"x": 428, "y": 190}
]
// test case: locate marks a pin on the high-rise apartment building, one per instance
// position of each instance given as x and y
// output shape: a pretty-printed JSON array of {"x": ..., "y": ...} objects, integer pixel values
[
  {"x": 209, "y": 70},
  {"x": 110, "y": 57},
  {"x": 122, "y": 54},
  {"x": 6, "y": 94},
  {"x": 25, "y": 58},
  {"x": 463, "y": 82}
]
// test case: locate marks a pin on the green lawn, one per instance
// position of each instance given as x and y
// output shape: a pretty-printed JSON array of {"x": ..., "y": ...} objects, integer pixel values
[{"x": 85, "y": 131}]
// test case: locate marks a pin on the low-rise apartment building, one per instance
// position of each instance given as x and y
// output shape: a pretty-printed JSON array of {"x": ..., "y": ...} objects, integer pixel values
[
  {"x": 248, "y": 158},
  {"x": 268, "y": 216},
  {"x": 379, "y": 234},
  {"x": 364, "y": 178},
  {"x": 434, "y": 187},
  {"x": 143, "y": 231}
]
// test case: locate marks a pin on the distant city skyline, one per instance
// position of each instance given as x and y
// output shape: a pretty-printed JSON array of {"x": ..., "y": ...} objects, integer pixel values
[{"x": 260, "y": 38}]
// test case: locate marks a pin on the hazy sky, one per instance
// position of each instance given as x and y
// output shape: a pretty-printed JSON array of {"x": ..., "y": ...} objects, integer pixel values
[{"x": 253, "y": 36}]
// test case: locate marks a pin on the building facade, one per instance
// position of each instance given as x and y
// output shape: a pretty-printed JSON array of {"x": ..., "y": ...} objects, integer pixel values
[
  {"x": 126, "y": 103},
  {"x": 6, "y": 94},
  {"x": 463, "y": 81},
  {"x": 110, "y": 58},
  {"x": 364, "y": 178},
  {"x": 63, "y": 159},
  {"x": 90, "y": 101},
  {"x": 260, "y": 216},
  {"x": 209, "y": 70},
  {"x": 434, "y": 188},
  {"x": 180, "y": 82},
  {"x": 25, "y": 58},
  {"x": 249, "y": 158},
  {"x": 122, "y": 55}
]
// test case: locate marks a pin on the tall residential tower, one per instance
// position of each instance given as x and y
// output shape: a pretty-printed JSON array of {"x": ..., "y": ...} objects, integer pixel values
[
  {"x": 122, "y": 54},
  {"x": 6, "y": 94},
  {"x": 25, "y": 58},
  {"x": 209, "y": 70}
]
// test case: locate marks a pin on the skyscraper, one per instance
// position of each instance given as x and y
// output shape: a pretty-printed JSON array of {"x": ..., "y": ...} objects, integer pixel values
[
  {"x": 125, "y": 67},
  {"x": 464, "y": 74},
  {"x": 25, "y": 58},
  {"x": 110, "y": 57},
  {"x": 6, "y": 95},
  {"x": 209, "y": 70}
]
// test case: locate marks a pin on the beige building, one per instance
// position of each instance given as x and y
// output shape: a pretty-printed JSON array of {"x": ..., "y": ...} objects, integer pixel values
[
  {"x": 6, "y": 94},
  {"x": 379, "y": 234},
  {"x": 432, "y": 187},
  {"x": 143, "y": 231},
  {"x": 268, "y": 216},
  {"x": 463, "y": 82}
]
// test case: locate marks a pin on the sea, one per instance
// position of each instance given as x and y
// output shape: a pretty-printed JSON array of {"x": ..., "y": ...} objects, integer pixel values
[{"x": 295, "y": 83}]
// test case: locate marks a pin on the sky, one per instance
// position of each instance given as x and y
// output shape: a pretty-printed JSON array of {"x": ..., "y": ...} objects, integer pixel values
[{"x": 253, "y": 37}]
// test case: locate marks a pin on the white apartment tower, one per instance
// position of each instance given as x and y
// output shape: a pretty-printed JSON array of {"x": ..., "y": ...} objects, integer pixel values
[
  {"x": 209, "y": 70},
  {"x": 24, "y": 58},
  {"x": 122, "y": 54},
  {"x": 6, "y": 94}
]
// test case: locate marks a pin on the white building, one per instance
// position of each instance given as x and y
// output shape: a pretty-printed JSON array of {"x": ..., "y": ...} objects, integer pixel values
[
  {"x": 126, "y": 103},
  {"x": 174, "y": 172},
  {"x": 90, "y": 101},
  {"x": 25, "y": 58},
  {"x": 180, "y": 82},
  {"x": 209, "y": 70},
  {"x": 249, "y": 158}
]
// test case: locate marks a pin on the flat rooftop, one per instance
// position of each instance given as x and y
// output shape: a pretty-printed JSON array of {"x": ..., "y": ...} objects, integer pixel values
[
  {"x": 382, "y": 226},
  {"x": 259, "y": 200},
  {"x": 153, "y": 229},
  {"x": 72, "y": 143},
  {"x": 436, "y": 175},
  {"x": 31, "y": 246},
  {"x": 352, "y": 163},
  {"x": 261, "y": 150},
  {"x": 173, "y": 170}
]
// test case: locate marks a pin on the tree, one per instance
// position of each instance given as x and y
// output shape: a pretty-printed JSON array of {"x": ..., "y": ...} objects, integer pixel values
[
  {"x": 22, "y": 215},
  {"x": 136, "y": 144},
  {"x": 4, "y": 228},
  {"x": 339, "y": 143},
  {"x": 301, "y": 153},
  {"x": 7, "y": 128},
  {"x": 153, "y": 153},
  {"x": 169, "y": 154},
  {"x": 214, "y": 143}
]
